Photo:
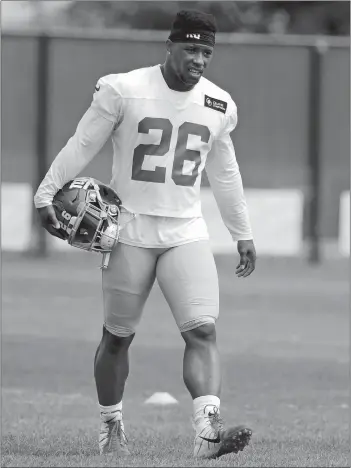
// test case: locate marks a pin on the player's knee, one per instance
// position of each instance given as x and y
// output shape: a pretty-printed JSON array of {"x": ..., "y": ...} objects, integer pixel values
[
  {"x": 115, "y": 343},
  {"x": 205, "y": 332},
  {"x": 118, "y": 330}
]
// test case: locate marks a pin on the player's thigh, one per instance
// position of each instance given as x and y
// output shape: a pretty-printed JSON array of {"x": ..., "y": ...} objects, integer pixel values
[
  {"x": 188, "y": 278},
  {"x": 126, "y": 285}
]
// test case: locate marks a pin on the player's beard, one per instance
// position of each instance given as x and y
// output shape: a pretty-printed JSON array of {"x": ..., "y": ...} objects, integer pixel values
[{"x": 187, "y": 79}]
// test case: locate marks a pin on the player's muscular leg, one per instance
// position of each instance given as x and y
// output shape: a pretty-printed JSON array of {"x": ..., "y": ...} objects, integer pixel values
[
  {"x": 126, "y": 285},
  {"x": 187, "y": 275},
  {"x": 111, "y": 367},
  {"x": 201, "y": 365}
]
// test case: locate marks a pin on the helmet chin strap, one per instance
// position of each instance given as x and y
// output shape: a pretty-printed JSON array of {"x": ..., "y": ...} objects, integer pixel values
[
  {"x": 106, "y": 255},
  {"x": 105, "y": 260}
]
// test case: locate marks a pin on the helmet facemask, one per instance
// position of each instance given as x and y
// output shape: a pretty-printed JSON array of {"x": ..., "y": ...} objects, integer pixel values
[{"x": 96, "y": 228}]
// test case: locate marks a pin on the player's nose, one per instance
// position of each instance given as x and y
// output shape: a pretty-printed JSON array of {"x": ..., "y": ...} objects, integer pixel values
[{"x": 199, "y": 59}]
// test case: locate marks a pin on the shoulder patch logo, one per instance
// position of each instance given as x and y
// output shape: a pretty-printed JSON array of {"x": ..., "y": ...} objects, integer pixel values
[{"x": 216, "y": 104}]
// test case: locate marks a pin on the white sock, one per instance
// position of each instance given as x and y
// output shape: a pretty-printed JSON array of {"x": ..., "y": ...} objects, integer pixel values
[
  {"x": 204, "y": 404},
  {"x": 110, "y": 412}
]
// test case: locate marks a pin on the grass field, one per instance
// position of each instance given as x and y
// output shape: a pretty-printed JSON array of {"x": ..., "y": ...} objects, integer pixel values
[{"x": 283, "y": 337}]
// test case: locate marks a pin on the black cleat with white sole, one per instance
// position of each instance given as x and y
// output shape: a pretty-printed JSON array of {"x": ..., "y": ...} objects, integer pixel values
[{"x": 234, "y": 440}]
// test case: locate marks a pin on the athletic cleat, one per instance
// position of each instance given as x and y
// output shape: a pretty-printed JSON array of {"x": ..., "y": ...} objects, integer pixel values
[
  {"x": 112, "y": 437},
  {"x": 208, "y": 428},
  {"x": 212, "y": 441},
  {"x": 234, "y": 440}
]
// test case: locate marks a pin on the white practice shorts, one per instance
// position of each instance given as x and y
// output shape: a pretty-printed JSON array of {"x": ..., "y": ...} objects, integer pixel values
[{"x": 186, "y": 274}]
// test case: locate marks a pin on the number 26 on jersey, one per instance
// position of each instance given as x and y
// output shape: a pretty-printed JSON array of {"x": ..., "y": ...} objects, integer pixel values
[{"x": 181, "y": 154}]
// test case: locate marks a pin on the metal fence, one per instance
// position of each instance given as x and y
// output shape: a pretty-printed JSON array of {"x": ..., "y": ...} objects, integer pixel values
[{"x": 293, "y": 98}]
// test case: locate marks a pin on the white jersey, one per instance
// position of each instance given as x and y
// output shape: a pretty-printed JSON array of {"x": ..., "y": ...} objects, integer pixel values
[
  {"x": 161, "y": 231},
  {"x": 162, "y": 140}
]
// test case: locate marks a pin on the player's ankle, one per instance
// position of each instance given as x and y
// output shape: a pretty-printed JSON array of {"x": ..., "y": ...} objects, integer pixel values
[
  {"x": 110, "y": 412},
  {"x": 204, "y": 405}
]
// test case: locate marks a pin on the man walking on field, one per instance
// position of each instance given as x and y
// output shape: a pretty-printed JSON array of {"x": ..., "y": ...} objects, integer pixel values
[{"x": 167, "y": 123}]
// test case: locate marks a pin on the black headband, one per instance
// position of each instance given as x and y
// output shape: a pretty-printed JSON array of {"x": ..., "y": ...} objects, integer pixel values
[{"x": 200, "y": 37}]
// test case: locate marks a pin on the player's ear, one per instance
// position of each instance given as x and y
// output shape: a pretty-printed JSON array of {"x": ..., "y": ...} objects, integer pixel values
[{"x": 169, "y": 45}]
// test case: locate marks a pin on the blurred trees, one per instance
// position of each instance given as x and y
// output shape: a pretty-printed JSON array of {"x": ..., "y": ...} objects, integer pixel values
[
  {"x": 271, "y": 17},
  {"x": 294, "y": 17}
]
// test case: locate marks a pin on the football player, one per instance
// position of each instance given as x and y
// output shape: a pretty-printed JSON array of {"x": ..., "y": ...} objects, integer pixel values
[{"x": 167, "y": 123}]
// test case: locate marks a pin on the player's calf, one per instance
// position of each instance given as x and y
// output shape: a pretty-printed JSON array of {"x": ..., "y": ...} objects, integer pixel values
[{"x": 111, "y": 367}]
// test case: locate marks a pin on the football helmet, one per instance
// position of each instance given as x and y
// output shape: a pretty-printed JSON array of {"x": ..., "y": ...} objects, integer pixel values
[{"x": 89, "y": 211}]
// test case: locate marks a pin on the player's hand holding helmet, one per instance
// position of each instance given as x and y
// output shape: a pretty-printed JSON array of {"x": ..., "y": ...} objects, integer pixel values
[{"x": 50, "y": 222}]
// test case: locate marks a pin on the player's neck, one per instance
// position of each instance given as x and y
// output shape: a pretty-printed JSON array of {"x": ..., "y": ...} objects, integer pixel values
[{"x": 173, "y": 81}]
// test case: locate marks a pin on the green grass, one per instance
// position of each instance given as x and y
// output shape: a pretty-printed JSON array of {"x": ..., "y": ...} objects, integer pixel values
[{"x": 283, "y": 337}]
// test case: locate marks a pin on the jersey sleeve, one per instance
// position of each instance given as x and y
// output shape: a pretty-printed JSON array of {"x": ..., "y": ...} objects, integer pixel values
[
  {"x": 225, "y": 179},
  {"x": 107, "y": 102},
  {"x": 93, "y": 130}
]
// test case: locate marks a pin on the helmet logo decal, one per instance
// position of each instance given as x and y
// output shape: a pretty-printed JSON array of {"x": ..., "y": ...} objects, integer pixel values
[
  {"x": 80, "y": 182},
  {"x": 66, "y": 215}
]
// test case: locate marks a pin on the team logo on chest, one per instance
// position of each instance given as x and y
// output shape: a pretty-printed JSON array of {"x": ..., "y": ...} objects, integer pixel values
[{"x": 215, "y": 104}]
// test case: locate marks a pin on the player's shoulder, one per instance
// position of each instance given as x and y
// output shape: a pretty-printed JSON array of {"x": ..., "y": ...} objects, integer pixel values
[
  {"x": 214, "y": 92},
  {"x": 126, "y": 83}
]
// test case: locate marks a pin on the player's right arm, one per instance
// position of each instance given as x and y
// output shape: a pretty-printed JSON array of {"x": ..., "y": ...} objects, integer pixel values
[{"x": 93, "y": 130}]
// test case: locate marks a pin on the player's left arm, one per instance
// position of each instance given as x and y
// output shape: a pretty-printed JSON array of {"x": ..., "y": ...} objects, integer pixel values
[{"x": 225, "y": 179}]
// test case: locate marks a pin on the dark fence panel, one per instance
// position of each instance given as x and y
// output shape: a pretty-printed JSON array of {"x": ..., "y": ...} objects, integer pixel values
[
  {"x": 18, "y": 108},
  {"x": 335, "y": 136},
  {"x": 270, "y": 86}
]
